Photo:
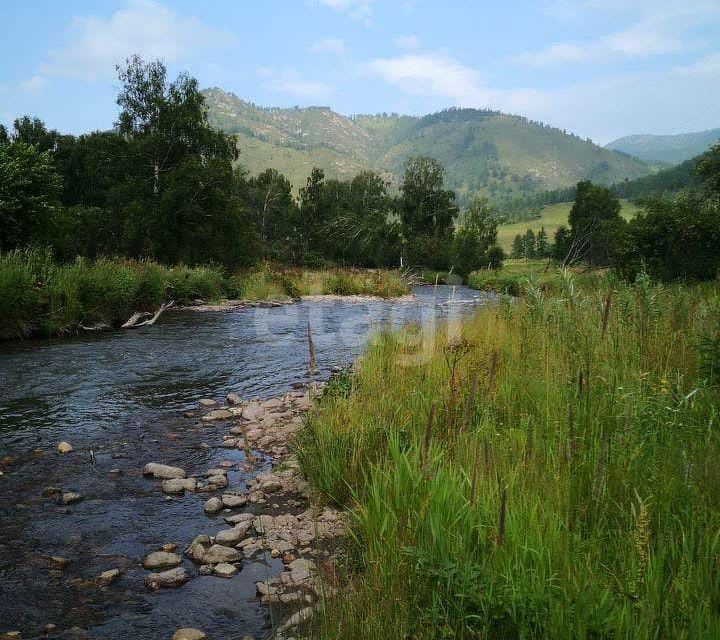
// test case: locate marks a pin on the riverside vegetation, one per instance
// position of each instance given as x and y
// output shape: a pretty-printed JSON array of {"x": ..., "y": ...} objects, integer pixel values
[
  {"x": 549, "y": 470},
  {"x": 41, "y": 297}
]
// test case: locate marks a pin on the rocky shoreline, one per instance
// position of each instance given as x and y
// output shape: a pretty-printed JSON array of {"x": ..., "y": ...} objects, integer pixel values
[{"x": 270, "y": 516}]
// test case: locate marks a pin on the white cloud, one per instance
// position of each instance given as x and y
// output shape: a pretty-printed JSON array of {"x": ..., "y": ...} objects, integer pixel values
[
  {"x": 146, "y": 27},
  {"x": 407, "y": 42},
  {"x": 361, "y": 10},
  {"x": 662, "y": 28},
  {"x": 36, "y": 83},
  {"x": 329, "y": 45}
]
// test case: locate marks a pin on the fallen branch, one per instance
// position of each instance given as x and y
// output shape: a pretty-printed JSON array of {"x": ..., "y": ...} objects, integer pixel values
[{"x": 145, "y": 318}]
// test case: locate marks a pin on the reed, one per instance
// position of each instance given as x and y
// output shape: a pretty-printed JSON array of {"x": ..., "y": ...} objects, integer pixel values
[{"x": 580, "y": 499}]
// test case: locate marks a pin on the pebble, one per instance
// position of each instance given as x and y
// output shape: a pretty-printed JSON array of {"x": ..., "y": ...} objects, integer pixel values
[
  {"x": 70, "y": 497},
  {"x": 158, "y": 470},
  {"x": 213, "y": 505},
  {"x": 106, "y": 577},
  {"x": 169, "y": 547},
  {"x": 167, "y": 579},
  {"x": 58, "y": 562},
  {"x": 225, "y": 570},
  {"x": 208, "y": 402},
  {"x": 233, "y": 398},
  {"x": 64, "y": 447}
]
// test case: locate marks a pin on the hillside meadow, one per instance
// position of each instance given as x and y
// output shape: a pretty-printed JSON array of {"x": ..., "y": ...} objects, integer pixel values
[{"x": 551, "y": 217}]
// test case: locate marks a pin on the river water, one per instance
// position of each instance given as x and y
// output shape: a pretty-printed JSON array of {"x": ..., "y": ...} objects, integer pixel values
[{"x": 122, "y": 399}]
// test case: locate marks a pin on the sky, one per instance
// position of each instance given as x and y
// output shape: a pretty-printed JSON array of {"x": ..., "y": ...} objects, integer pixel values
[{"x": 598, "y": 68}]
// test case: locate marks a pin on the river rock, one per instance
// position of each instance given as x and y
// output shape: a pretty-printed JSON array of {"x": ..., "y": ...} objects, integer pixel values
[
  {"x": 161, "y": 559},
  {"x": 227, "y": 464},
  {"x": 219, "y": 481},
  {"x": 301, "y": 569},
  {"x": 70, "y": 497},
  {"x": 167, "y": 579},
  {"x": 218, "y": 553},
  {"x": 233, "y": 398},
  {"x": 208, "y": 402},
  {"x": 218, "y": 414},
  {"x": 253, "y": 412},
  {"x": 213, "y": 505},
  {"x": 216, "y": 472},
  {"x": 189, "y": 634},
  {"x": 106, "y": 577},
  {"x": 225, "y": 570},
  {"x": 197, "y": 548},
  {"x": 164, "y": 471},
  {"x": 232, "y": 536},
  {"x": 233, "y": 500},
  {"x": 10, "y": 635},
  {"x": 179, "y": 485},
  {"x": 240, "y": 517},
  {"x": 297, "y": 618},
  {"x": 64, "y": 447}
]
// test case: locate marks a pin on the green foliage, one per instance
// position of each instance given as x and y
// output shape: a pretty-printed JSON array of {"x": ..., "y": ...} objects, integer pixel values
[
  {"x": 569, "y": 497},
  {"x": 29, "y": 192},
  {"x": 595, "y": 224},
  {"x": 673, "y": 240},
  {"x": 672, "y": 149}
]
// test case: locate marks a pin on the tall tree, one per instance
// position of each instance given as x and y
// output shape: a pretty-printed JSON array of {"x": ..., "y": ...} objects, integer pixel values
[
  {"x": 427, "y": 212},
  {"x": 595, "y": 223}
]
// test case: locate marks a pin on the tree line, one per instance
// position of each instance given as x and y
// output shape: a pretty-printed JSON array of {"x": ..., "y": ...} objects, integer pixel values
[
  {"x": 164, "y": 185},
  {"x": 674, "y": 237}
]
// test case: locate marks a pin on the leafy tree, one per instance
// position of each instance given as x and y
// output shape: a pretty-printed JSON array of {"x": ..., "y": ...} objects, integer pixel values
[
  {"x": 595, "y": 223},
  {"x": 29, "y": 193},
  {"x": 311, "y": 236},
  {"x": 4, "y": 137},
  {"x": 708, "y": 168},
  {"x": 474, "y": 237},
  {"x": 274, "y": 212},
  {"x": 495, "y": 257},
  {"x": 427, "y": 212},
  {"x": 33, "y": 131},
  {"x": 673, "y": 240}
]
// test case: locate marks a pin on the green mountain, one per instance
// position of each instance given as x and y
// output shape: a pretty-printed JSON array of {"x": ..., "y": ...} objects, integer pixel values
[
  {"x": 672, "y": 149},
  {"x": 498, "y": 155}
]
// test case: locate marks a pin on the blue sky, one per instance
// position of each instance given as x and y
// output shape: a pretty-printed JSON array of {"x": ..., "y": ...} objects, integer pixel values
[{"x": 599, "y": 68}]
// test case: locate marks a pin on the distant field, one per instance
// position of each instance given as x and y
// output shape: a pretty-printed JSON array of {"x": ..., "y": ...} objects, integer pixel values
[{"x": 553, "y": 216}]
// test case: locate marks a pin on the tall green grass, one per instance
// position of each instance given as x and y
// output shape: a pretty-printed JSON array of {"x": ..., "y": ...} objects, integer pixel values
[
  {"x": 41, "y": 297},
  {"x": 567, "y": 485}
]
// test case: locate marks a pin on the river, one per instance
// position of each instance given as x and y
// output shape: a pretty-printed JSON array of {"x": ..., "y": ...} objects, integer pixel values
[{"x": 125, "y": 398}]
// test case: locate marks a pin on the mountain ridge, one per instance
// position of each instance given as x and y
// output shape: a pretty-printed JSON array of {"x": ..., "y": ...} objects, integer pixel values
[
  {"x": 498, "y": 155},
  {"x": 669, "y": 148}
]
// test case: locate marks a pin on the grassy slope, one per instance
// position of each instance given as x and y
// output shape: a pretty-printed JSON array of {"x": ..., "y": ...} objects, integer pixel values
[
  {"x": 551, "y": 217},
  {"x": 573, "y": 495},
  {"x": 667, "y": 148},
  {"x": 498, "y": 155}
]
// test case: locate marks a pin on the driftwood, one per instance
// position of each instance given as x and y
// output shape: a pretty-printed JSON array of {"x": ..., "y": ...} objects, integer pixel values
[{"x": 144, "y": 318}]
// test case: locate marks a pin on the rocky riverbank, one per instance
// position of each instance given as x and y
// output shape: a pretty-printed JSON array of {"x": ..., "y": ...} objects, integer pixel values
[{"x": 270, "y": 517}]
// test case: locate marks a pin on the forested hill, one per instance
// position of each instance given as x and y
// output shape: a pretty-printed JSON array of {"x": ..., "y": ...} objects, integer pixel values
[
  {"x": 488, "y": 152},
  {"x": 671, "y": 148}
]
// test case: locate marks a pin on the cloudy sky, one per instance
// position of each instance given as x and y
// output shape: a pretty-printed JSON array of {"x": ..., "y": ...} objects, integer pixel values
[{"x": 599, "y": 68}]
